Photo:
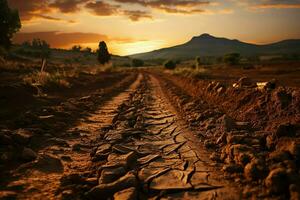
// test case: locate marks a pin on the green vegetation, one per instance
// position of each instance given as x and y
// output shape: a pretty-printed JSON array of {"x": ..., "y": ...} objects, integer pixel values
[
  {"x": 170, "y": 64},
  {"x": 103, "y": 54},
  {"x": 9, "y": 24},
  {"x": 232, "y": 58},
  {"x": 137, "y": 63}
]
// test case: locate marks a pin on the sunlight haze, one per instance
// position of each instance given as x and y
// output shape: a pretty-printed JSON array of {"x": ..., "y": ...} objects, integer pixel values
[{"x": 135, "y": 26}]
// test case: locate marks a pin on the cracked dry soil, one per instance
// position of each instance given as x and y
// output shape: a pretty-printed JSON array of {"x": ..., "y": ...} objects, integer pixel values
[{"x": 135, "y": 146}]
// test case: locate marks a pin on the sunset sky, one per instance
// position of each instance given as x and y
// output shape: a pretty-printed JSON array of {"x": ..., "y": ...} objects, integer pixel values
[{"x": 134, "y": 26}]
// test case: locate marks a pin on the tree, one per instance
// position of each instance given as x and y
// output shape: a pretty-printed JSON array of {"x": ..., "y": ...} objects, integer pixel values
[
  {"x": 76, "y": 48},
  {"x": 137, "y": 63},
  {"x": 232, "y": 58},
  {"x": 103, "y": 54},
  {"x": 88, "y": 50},
  {"x": 170, "y": 64},
  {"x": 9, "y": 24}
]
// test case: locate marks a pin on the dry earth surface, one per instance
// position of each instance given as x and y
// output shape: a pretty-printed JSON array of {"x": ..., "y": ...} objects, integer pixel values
[{"x": 150, "y": 135}]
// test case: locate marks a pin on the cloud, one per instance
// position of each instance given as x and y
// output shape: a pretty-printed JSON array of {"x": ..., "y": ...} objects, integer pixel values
[
  {"x": 41, "y": 9},
  {"x": 102, "y": 9},
  {"x": 171, "y": 6},
  {"x": 68, "y": 6},
  {"x": 136, "y": 15},
  {"x": 30, "y": 8},
  {"x": 66, "y": 40},
  {"x": 271, "y": 4},
  {"x": 276, "y": 6}
]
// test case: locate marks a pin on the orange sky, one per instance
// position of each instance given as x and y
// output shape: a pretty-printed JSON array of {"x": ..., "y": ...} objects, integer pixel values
[{"x": 134, "y": 26}]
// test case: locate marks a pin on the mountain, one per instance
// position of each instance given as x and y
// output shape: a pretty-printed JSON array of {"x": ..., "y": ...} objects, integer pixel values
[{"x": 208, "y": 45}]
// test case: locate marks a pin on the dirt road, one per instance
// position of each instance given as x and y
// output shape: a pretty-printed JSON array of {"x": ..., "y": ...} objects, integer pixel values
[
  {"x": 134, "y": 146},
  {"x": 152, "y": 135}
]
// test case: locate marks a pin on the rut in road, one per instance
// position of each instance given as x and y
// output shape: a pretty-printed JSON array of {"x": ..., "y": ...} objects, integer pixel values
[
  {"x": 147, "y": 152},
  {"x": 43, "y": 178}
]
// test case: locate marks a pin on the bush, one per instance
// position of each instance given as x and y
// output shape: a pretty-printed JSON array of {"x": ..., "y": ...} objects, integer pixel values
[
  {"x": 232, "y": 58},
  {"x": 137, "y": 63},
  {"x": 47, "y": 80},
  {"x": 76, "y": 48},
  {"x": 169, "y": 64}
]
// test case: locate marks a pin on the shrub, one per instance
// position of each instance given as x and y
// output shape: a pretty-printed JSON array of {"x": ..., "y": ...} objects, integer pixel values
[
  {"x": 47, "y": 80},
  {"x": 232, "y": 58},
  {"x": 76, "y": 48},
  {"x": 169, "y": 64},
  {"x": 137, "y": 63}
]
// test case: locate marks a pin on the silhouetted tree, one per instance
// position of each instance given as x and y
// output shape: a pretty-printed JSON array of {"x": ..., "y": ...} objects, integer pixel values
[
  {"x": 137, "y": 63},
  {"x": 232, "y": 58},
  {"x": 76, "y": 48},
  {"x": 103, "y": 54},
  {"x": 88, "y": 50},
  {"x": 170, "y": 64},
  {"x": 9, "y": 23}
]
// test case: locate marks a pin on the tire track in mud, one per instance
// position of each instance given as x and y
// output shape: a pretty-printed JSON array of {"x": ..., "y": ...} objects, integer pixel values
[
  {"x": 148, "y": 153},
  {"x": 42, "y": 179}
]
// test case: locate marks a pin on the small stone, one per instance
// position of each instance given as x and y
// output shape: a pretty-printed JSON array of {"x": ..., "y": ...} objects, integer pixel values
[
  {"x": 28, "y": 154},
  {"x": 277, "y": 181},
  {"x": 5, "y": 139},
  {"x": 22, "y": 136},
  {"x": 45, "y": 163},
  {"x": 232, "y": 168},
  {"x": 285, "y": 130},
  {"x": 6, "y": 156},
  {"x": 294, "y": 192},
  {"x": 279, "y": 156},
  {"x": 67, "y": 195},
  {"x": 107, "y": 190},
  {"x": 110, "y": 175},
  {"x": 76, "y": 147},
  {"x": 70, "y": 179},
  {"x": 127, "y": 194},
  {"x": 209, "y": 144},
  {"x": 215, "y": 157},
  {"x": 282, "y": 98},
  {"x": 66, "y": 158},
  {"x": 255, "y": 170}
]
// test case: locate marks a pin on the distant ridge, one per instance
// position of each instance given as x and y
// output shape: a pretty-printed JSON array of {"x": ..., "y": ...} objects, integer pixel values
[{"x": 208, "y": 45}]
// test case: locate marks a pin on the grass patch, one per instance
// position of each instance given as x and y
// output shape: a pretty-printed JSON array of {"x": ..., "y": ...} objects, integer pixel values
[
  {"x": 190, "y": 72},
  {"x": 47, "y": 80}
]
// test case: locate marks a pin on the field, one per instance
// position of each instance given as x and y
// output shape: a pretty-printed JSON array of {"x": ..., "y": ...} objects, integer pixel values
[{"x": 82, "y": 131}]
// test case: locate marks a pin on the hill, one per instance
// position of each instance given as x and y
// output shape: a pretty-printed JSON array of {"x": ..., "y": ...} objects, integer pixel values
[{"x": 208, "y": 45}]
